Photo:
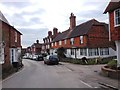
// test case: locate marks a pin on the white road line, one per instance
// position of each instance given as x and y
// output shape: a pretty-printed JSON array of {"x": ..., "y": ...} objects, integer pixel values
[{"x": 86, "y": 84}]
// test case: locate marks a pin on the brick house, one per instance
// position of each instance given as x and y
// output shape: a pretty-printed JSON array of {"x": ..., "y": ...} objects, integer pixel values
[
  {"x": 113, "y": 10},
  {"x": 10, "y": 43},
  {"x": 47, "y": 40},
  {"x": 36, "y": 48},
  {"x": 89, "y": 39}
]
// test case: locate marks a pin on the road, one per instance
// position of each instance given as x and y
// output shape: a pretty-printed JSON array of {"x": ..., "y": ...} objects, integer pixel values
[{"x": 37, "y": 75}]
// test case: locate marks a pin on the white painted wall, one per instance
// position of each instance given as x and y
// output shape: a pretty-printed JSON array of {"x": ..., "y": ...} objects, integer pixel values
[
  {"x": 53, "y": 51},
  {"x": 68, "y": 54},
  {"x": 118, "y": 51},
  {"x": 111, "y": 53}
]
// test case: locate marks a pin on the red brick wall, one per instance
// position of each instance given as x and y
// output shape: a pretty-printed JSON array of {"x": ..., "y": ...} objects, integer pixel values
[
  {"x": 18, "y": 40},
  {"x": 9, "y": 39},
  {"x": 6, "y": 36},
  {"x": 115, "y": 31},
  {"x": 76, "y": 43},
  {"x": 12, "y": 38},
  {"x": 98, "y": 37}
]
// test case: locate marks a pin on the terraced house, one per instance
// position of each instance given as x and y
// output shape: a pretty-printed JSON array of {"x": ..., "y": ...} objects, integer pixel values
[
  {"x": 10, "y": 43},
  {"x": 89, "y": 39},
  {"x": 113, "y": 9}
]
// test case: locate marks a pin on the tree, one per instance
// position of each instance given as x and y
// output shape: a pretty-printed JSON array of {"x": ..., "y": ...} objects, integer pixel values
[{"x": 60, "y": 53}]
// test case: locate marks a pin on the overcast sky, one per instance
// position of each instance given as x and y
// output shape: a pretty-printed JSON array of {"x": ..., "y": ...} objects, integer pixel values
[{"x": 34, "y": 18}]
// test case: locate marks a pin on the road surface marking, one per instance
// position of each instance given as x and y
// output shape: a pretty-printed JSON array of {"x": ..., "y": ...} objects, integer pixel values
[{"x": 86, "y": 84}]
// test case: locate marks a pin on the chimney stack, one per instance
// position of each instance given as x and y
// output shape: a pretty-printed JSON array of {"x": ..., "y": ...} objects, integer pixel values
[
  {"x": 37, "y": 41},
  {"x": 72, "y": 21},
  {"x": 55, "y": 31},
  {"x": 49, "y": 33}
]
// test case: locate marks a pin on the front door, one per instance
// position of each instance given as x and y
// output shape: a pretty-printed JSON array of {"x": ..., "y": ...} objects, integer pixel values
[{"x": 13, "y": 55}]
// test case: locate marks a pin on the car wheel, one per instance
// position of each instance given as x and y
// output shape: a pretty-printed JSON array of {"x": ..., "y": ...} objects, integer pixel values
[
  {"x": 44, "y": 62},
  {"x": 56, "y": 63}
]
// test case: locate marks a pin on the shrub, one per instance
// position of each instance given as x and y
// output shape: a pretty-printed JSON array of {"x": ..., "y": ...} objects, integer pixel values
[
  {"x": 91, "y": 62},
  {"x": 6, "y": 71},
  {"x": 112, "y": 64}
]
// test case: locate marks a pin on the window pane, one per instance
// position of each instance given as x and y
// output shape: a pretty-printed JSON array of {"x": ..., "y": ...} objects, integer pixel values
[
  {"x": 119, "y": 20},
  {"x": 117, "y": 17}
]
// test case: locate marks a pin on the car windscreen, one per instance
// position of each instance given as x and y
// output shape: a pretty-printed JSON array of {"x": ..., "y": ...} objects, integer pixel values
[{"x": 53, "y": 57}]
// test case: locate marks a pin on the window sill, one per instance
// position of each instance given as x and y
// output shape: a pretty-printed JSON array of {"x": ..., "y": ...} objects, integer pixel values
[{"x": 117, "y": 25}]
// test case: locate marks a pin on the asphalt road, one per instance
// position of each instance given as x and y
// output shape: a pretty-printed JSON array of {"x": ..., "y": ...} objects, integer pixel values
[{"x": 36, "y": 74}]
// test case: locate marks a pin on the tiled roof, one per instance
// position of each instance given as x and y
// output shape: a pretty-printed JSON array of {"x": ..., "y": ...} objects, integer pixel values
[
  {"x": 83, "y": 28},
  {"x": 112, "y": 6},
  {"x": 37, "y": 45},
  {"x": 2, "y": 18},
  {"x": 61, "y": 36},
  {"x": 79, "y": 30}
]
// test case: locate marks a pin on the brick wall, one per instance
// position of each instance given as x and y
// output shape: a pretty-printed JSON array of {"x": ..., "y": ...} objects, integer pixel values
[
  {"x": 98, "y": 37},
  {"x": 6, "y": 36},
  {"x": 115, "y": 31}
]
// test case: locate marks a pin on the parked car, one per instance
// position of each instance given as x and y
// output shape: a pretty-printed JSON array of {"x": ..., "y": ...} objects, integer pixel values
[
  {"x": 40, "y": 58},
  {"x": 51, "y": 59},
  {"x": 34, "y": 57}
]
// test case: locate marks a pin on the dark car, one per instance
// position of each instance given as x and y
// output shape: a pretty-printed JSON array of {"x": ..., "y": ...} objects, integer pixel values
[
  {"x": 40, "y": 58},
  {"x": 51, "y": 59}
]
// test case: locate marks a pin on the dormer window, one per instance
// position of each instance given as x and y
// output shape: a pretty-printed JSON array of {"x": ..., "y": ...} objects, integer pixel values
[{"x": 117, "y": 17}]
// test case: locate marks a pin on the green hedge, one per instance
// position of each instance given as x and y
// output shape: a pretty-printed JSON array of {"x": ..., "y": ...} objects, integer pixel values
[{"x": 93, "y": 61}]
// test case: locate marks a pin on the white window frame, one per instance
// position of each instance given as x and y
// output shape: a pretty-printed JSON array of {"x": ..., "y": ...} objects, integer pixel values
[
  {"x": 72, "y": 51},
  {"x": 83, "y": 52},
  {"x": 115, "y": 24},
  {"x": 15, "y": 36},
  {"x": 55, "y": 43},
  {"x": 50, "y": 39},
  {"x": 72, "y": 41},
  {"x": 81, "y": 39},
  {"x": 52, "y": 44},
  {"x": 65, "y": 41},
  {"x": 93, "y": 52},
  {"x": 104, "y": 51},
  {"x": 60, "y": 42},
  {"x": 48, "y": 46}
]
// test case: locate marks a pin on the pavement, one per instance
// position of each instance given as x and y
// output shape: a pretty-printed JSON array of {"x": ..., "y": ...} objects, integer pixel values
[
  {"x": 36, "y": 74},
  {"x": 91, "y": 74}
]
